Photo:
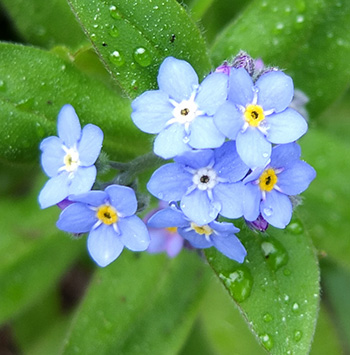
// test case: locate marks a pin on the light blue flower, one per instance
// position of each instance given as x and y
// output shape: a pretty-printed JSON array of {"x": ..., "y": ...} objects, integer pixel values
[
  {"x": 215, "y": 234},
  {"x": 181, "y": 111},
  {"x": 206, "y": 181},
  {"x": 109, "y": 218},
  {"x": 256, "y": 115},
  {"x": 69, "y": 158},
  {"x": 267, "y": 189}
]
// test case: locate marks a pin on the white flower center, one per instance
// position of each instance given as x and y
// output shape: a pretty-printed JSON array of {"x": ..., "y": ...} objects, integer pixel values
[
  {"x": 71, "y": 160},
  {"x": 205, "y": 178}
]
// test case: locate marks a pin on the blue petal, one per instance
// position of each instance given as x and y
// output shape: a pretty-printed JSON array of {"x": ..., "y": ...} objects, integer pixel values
[
  {"x": 253, "y": 148},
  {"x": 92, "y": 198},
  {"x": 151, "y": 111},
  {"x": 230, "y": 246},
  {"x": 229, "y": 120},
  {"x": 168, "y": 217},
  {"x": 254, "y": 175},
  {"x": 198, "y": 208},
  {"x": 228, "y": 163},
  {"x": 276, "y": 209},
  {"x": 177, "y": 78},
  {"x": 170, "y": 182},
  {"x": 68, "y": 126},
  {"x": 223, "y": 228},
  {"x": 133, "y": 233},
  {"x": 54, "y": 191},
  {"x": 230, "y": 197},
  {"x": 212, "y": 93},
  {"x": 104, "y": 245},
  {"x": 90, "y": 144},
  {"x": 83, "y": 180},
  {"x": 52, "y": 156},
  {"x": 196, "y": 159},
  {"x": 204, "y": 134},
  {"x": 285, "y": 155},
  {"x": 251, "y": 201},
  {"x": 296, "y": 178},
  {"x": 77, "y": 218},
  {"x": 174, "y": 245},
  {"x": 123, "y": 199},
  {"x": 195, "y": 239},
  {"x": 171, "y": 142},
  {"x": 285, "y": 127},
  {"x": 240, "y": 87},
  {"x": 275, "y": 91}
]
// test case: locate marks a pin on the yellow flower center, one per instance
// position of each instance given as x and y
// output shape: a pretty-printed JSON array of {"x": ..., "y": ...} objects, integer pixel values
[
  {"x": 268, "y": 180},
  {"x": 201, "y": 229},
  {"x": 254, "y": 114},
  {"x": 172, "y": 229},
  {"x": 71, "y": 160},
  {"x": 107, "y": 214}
]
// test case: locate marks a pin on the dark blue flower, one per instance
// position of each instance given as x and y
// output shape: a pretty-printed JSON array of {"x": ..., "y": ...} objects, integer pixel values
[
  {"x": 215, "y": 234},
  {"x": 267, "y": 189},
  {"x": 69, "y": 158},
  {"x": 181, "y": 111},
  {"x": 206, "y": 181},
  {"x": 257, "y": 115},
  {"x": 109, "y": 218}
]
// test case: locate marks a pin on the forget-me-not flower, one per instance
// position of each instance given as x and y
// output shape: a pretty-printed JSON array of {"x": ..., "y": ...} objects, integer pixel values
[
  {"x": 267, "y": 189},
  {"x": 181, "y": 111},
  {"x": 220, "y": 235},
  {"x": 109, "y": 218},
  {"x": 206, "y": 181},
  {"x": 69, "y": 158},
  {"x": 257, "y": 114}
]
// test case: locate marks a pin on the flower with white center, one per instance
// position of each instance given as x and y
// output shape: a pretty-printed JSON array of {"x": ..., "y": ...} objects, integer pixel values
[
  {"x": 69, "y": 158},
  {"x": 207, "y": 182},
  {"x": 181, "y": 111},
  {"x": 109, "y": 218}
]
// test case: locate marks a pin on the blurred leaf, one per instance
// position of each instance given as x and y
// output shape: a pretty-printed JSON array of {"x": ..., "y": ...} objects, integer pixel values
[
  {"x": 325, "y": 207},
  {"x": 276, "y": 289},
  {"x": 139, "y": 304},
  {"x": 133, "y": 38},
  {"x": 35, "y": 84},
  {"x": 310, "y": 39},
  {"x": 198, "y": 8},
  {"x": 45, "y": 23}
]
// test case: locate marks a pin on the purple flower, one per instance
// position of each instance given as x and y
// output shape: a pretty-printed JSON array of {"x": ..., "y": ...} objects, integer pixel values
[
  {"x": 267, "y": 189},
  {"x": 69, "y": 158},
  {"x": 181, "y": 111},
  {"x": 206, "y": 181},
  {"x": 257, "y": 115},
  {"x": 109, "y": 218},
  {"x": 220, "y": 235}
]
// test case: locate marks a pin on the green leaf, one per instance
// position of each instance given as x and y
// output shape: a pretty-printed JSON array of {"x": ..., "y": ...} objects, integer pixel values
[
  {"x": 133, "y": 38},
  {"x": 35, "y": 84},
  {"x": 139, "y": 304},
  {"x": 276, "y": 288},
  {"x": 310, "y": 39},
  {"x": 45, "y": 23},
  {"x": 325, "y": 207}
]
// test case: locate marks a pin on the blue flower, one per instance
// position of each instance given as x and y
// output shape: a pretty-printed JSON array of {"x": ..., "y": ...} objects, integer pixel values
[
  {"x": 267, "y": 189},
  {"x": 256, "y": 115},
  {"x": 220, "y": 235},
  {"x": 69, "y": 158},
  {"x": 109, "y": 217},
  {"x": 206, "y": 181},
  {"x": 181, "y": 111}
]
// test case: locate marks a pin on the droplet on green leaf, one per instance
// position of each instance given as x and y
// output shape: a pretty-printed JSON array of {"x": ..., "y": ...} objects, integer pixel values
[
  {"x": 142, "y": 56},
  {"x": 295, "y": 227},
  {"x": 298, "y": 335},
  {"x": 266, "y": 341},
  {"x": 274, "y": 252},
  {"x": 117, "y": 59},
  {"x": 267, "y": 318},
  {"x": 114, "y": 32},
  {"x": 114, "y": 12},
  {"x": 2, "y": 85}
]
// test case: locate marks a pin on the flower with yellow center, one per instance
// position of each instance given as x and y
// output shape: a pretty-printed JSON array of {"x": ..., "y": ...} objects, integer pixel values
[
  {"x": 268, "y": 180},
  {"x": 201, "y": 229},
  {"x": 107, "y": 214},
  {"x": 254, "y": 114}
]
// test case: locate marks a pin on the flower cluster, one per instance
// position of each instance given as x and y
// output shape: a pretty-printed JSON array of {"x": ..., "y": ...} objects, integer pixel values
[{"x": 232, "y": 142}]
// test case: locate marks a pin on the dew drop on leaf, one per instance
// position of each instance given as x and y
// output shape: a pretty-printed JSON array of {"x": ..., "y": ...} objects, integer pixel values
[
  {"x": 114, "y": 32},
  {"x": 117, "y": 59},
  {"x": 295, "y": 227},
  {"x": 267, "y": 341},
  {"x": 114, "y": 12},
  {"x": 142, "y": 57},
  {"x": 2, "y": 85},
  {"x": 295, "y": 307},
  {"x": 297, "y": 335},
  {"x": 267, "y": 318},
  {"x": 275, "y": 254}
]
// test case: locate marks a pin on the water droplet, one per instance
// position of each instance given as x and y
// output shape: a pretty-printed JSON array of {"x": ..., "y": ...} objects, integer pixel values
[
  {"x": 286, "y": 272},
  {"x": 287, "y": 9},
  {"x": 114, "y": 12},
  {"x": 160, "y": 196},
  {"x": 117, "y": 59},
  {"x": 239, "y": 282},
  {"x": 267, "y": 318},
  {"x": 2, "y": 85},
  {"x": 297, "y": 335},
  {"x": 295, "y": 307},
  {"x": 265, "y": 155},
  {"x": 186, "y": 139},
  {"x": 142, "y": 56},
  {"x": 279, "y": 26},
  {"x": 275, "y": 254},
  {"x": 114, "y": 32},
  {"x": 295, "y": 227},
  {"x": 286, "y": 298},
  {"x": 300, "y": 18},
  {"x": 267, "y": 341},
  {"x": 268, "y": 211}
]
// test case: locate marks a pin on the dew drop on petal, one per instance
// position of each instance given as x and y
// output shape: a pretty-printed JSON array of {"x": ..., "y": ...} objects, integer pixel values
[
  {"x": 268, "y": 211},
  {"x": 186, "y": 139}
]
